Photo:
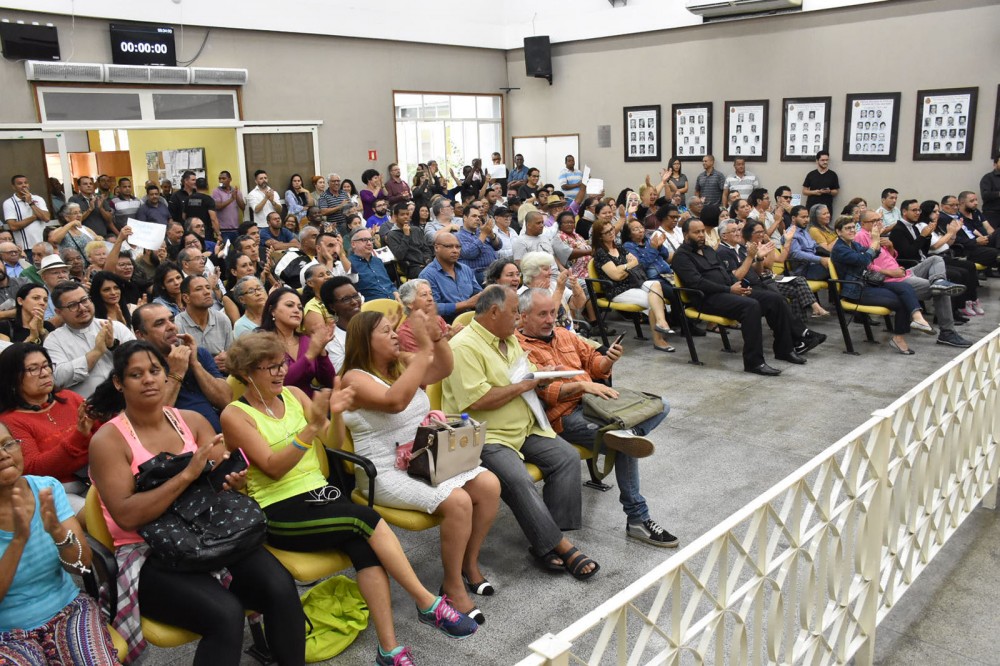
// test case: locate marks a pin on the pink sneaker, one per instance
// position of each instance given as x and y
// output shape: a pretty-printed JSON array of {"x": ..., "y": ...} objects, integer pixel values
[
  {"x": 977, "y": 305},
  {"x": 969, "y": 310}
]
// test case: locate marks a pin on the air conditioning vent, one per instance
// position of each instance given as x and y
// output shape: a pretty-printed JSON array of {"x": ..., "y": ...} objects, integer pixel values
[
  {"x": 39, "y": 70},
  {"x": 219, "y": 76},
  {"x": 715, "y": 8},
  {"x": 141, "y": 74}
]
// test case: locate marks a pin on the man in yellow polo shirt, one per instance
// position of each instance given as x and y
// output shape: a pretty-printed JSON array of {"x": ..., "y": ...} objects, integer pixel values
[{"x": 486, "y": 351}]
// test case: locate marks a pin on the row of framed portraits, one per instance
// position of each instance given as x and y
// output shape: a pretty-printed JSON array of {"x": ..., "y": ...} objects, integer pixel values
[{"x": 945, "y": 123}]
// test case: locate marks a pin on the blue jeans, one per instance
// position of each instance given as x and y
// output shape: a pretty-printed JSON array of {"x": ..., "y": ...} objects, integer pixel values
[{"x": 580, "y": 430}]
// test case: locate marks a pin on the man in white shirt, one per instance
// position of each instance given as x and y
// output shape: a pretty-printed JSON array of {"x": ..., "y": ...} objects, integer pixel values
[
  {"x": 25, "y": 213},
  {"x": 262, "y": 200},
  {"x": 81, "y": 348}
]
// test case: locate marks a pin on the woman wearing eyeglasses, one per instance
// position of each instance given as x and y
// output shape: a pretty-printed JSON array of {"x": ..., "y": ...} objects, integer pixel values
[
  {"x": 52, "y": 425},
  {"x": 238, "y": 266},
  {"x": 250, "y": 293},
  {"x": 276, "y": 424},
  {"x": 44, "y": 617},
  {"x": 309, "y": 366}
]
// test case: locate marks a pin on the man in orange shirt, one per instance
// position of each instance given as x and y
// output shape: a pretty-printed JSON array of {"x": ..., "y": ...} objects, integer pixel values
[{"x": 549, "y": 345}]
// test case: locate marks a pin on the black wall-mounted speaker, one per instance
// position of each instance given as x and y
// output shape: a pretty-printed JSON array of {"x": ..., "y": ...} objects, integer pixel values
[{"x": 538, "y": 58}]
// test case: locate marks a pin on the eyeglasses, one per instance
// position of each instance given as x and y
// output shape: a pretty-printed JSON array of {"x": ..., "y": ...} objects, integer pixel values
[
  {"x": 849, "y": 227},
  {"x": 361, "y": 240},
  {"x": 786, "y": 197},
  {"x": 275, "y": 369},
  {"x": 9, "y": 445},
  {"x": 76, "y": 306},
  {"x": 10, "y": 252},
  {"x": 254, "y": 290},
  {"x": 35, "y": 370},
  {"x": 346, "y": 300}
]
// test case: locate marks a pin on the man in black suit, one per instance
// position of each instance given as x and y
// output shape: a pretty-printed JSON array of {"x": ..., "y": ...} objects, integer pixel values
[{"x": 698, "y": 267}]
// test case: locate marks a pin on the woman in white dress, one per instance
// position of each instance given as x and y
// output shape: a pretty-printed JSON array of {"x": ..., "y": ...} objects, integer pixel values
[{"x": 389, "y": 406}]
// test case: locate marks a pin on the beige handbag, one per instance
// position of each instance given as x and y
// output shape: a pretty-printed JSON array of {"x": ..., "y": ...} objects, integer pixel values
[{"x": 443, "y": 450}]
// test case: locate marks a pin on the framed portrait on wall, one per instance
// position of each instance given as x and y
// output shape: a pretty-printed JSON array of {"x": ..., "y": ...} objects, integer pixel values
[
  {"x": 642, "y": 133},
  {"x": 871, "y": 122},
  {"x": 692, "y": 125},
  {"x": 995, "y": 150},
  {"x": 746, "y": 130},
  {"x": 946, "y": 121},
  {"x": 805, "y": 128}
]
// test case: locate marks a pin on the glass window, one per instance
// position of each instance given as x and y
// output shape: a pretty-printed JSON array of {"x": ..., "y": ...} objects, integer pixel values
[
  {"x": 70, "y": 106},
  {"x": 451, "y": 129},
  {"x": 194, "y": 106}
]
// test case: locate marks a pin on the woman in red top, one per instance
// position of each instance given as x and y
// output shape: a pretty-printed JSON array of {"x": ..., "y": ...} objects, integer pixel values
[{"x": 52, "y": 425}]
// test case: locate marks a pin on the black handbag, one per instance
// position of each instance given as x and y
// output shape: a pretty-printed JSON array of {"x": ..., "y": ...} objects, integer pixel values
[
  {"x": 873, "y": 278},
  {"x": 203, "y": 530},
  {"x": 636, "y": 277}
]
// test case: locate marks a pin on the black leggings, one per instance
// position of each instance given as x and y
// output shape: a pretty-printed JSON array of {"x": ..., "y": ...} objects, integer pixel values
[
  {"x": 296, "y": 525},
  {"x": 196, "y": 602}
]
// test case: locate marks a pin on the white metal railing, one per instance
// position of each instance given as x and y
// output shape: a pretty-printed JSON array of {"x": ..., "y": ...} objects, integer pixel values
[{"x": 805, "y": 573}]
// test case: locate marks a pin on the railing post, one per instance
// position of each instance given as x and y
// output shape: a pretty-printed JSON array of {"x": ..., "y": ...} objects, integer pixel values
[{"x": 553, "y": 649}]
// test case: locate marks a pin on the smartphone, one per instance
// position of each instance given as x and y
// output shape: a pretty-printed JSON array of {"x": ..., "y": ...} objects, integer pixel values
[
  {"x": 618, "y": 340},
  {"x": 235, "y": 463},
  {"x": 745, "y": 283}
]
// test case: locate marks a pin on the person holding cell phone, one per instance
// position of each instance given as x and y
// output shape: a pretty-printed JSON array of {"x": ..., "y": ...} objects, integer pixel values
[{"x": 141, "y": 427}]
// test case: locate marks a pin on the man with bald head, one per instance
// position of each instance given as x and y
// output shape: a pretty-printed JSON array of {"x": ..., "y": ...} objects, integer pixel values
[{"x": 453, "y": 284}]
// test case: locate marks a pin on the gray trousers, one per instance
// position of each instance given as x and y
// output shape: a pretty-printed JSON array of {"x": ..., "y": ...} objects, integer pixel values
[
  {"x": 925, "y": 273},
  {"x": 542, "y": 518}
]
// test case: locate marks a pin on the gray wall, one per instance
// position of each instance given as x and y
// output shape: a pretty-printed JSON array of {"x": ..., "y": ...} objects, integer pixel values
[
  {"x": 346, "y": 83},
  {"x": 903, "y": 46}
]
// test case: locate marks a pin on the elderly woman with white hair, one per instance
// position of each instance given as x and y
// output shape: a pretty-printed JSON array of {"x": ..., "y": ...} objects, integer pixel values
[
  {"x": 537, "y": 272},
  {"x": 72, "y": 235},
  {"x": 416, "y": 296}
]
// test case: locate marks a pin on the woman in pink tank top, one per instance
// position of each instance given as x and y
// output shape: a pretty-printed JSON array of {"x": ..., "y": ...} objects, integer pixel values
[{"x": 146, "y": 426}]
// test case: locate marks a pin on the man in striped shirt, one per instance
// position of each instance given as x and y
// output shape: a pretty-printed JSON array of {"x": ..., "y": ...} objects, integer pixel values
[
  {"x": 570, "y": 178},
  {"x": 25, "y": 213},
  {"x": 334, "y": 202}
]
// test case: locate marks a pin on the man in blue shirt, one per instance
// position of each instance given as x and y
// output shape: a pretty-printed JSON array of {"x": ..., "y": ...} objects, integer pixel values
[
  {"x": 380, "y": 217},
  {"x": 193, "y": 379},
  {"x": 479, "y": 242},
  {"x": 518, "y": 176},
  {"x": 154, "y": 209},
  {"x": 275, "y": 236},
  {"x": 454, "y": 286},
  {"x": 373, "y": 280}
]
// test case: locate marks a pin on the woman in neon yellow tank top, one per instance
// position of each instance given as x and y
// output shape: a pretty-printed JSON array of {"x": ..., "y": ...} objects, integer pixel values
[{"x": 275, "y": 426}]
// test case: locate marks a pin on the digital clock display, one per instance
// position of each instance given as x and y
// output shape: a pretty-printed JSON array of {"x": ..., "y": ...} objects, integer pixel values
[{"x": 142, "y": 45}]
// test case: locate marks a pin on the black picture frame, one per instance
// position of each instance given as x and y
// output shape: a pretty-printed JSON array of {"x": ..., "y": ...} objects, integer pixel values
[
  {"x": 631, "y": 146},
  {"x": 950, "y": 117},
  {"x": 756, "y": 125},
  {"x": 856, "y": 147},
  {"x": 694, "y": 149},
  {"x": 995, "y": 150},
  {"x": 790, "y": 108}
]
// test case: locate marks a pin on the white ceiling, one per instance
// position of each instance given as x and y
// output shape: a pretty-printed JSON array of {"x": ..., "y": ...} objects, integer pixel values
[{"x": 495, "y": 24}]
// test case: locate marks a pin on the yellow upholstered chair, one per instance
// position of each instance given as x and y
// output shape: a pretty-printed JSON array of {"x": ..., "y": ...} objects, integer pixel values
[
  {"x": 157, "y": 633},
  {"x": 602, "y": 306},
  {"x": 842, "y": 305},
  {"x": 687, "y": 298},
  {"x": 387, "y": 306},
  {"x": 465, "y": 318}
]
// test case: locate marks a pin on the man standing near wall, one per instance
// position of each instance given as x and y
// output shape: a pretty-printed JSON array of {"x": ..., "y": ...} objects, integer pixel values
[
  {"x": 125, "y": 205},
  {"x": 989, "y": 190},
  {"x": 518, "y": 176},
  {"x": 710, "y": 183},
  {"x": 262, "y": 200},
  {"x": 570, "y": 178},
  {"x": 229, "y": 205},
  {"x": 741, "y": 181},
  {"x": 821, "y": 184},
  {"x": 25, "y": 213}
]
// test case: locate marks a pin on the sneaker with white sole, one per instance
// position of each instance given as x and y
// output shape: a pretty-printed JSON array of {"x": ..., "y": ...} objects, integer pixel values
[
  {"x": 977, "y": 305},
  {"x": 969, "y": 310},
  {"x": 450, "y": 621},
  {"x": 651, "y": 533},
  {"x": 629, "y": 443}
]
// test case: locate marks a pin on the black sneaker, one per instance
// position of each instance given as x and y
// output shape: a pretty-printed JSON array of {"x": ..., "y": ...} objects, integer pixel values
[
  {"x": 651, "y": 533},
  {"x": 952, "y": 339}
]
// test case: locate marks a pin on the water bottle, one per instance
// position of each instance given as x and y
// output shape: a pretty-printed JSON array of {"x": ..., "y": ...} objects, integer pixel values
[{"x": 465, "y": 419}]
